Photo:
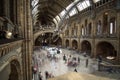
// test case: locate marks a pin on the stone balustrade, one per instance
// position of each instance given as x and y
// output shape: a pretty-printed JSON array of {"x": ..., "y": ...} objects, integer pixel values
[
  {"x": 8, "y": 47},
  {"x": 9, "y": 51}
]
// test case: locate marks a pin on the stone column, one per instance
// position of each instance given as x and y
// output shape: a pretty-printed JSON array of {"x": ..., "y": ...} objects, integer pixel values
[
  {"x": 80, "y": 29},
  {"x": 63, "y": 42},
  {"x": 70, "y": 43},
  {"x": 70, "y": 35},
  {"x": 15, "y": 11},
  {"x": 2, "y": 7},
  {"x": 27, "y": 34},
  {"x": 69, "y": 32},
  {"x": 93, "y": 47},
  {"x": 118, "y": 28},
  {"x": 78, "y": 36},
  {"x": 6, "y": 8}
]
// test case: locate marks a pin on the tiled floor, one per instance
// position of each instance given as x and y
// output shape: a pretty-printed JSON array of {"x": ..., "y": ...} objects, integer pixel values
[{"x": 59, "y": 67}]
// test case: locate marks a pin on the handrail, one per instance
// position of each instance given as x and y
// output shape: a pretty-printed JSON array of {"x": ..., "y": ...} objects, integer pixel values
[
  {"x": 8, "y": 47},
  {"x": 9, "y": 51}
]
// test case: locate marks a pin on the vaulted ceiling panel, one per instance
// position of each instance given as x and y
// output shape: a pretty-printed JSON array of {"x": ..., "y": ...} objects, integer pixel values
[{"x": 47, "y": 10}]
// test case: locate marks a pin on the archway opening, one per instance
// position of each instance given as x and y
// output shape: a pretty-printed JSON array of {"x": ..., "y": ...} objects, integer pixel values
[
  {"x": 67, "y": 43},
  {"x": 14, "y": 70},
  {"x": 106, "y": 50},
  {"x": 44, "y": 39},
  {"x": 74, "y": 45},
  {"x": 86, "y": 47},
  {"x": 58, "y": 42}
]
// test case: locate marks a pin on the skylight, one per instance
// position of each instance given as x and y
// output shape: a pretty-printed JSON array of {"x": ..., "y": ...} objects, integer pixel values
[
  {"x": 34, "y": 2},
  {"x": 96, "y": 1},
  {"x": 83, "y": 5},
  {"x": 62, "y": 13},
  {"x": 76, "y": 0},
  {"x": 87, "y": 2},
  {"x": 55, "y": 21},
  {"x": 73, "y": 12},
  {"x": 35, "y": 9},
  {"x": 58, "y": 18},
  {"x": 69, "y": 6},
  {"x": 80, "y": 5}
]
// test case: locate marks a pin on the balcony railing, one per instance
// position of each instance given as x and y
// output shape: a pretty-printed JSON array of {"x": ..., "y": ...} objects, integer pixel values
[
  {"x": 8, "y": 51},
  {"x": 9, "y": 45}
]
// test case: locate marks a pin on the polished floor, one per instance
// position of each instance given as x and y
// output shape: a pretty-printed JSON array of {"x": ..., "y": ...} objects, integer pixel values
[{"x": 59, "y": 68}]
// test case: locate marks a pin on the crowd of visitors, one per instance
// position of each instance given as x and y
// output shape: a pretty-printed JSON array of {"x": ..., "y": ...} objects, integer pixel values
[
  {"x": 73, "y": 61},
  {"x": 70, "y": 60}
]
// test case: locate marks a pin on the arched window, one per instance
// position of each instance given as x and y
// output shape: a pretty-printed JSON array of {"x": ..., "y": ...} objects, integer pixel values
[
  {"x": 112, "y": 26},
  {"x": 72, "y": 31},
  {"x": 67, "y": 33},
  {"x": 85, "y": 28},
  {"x": 82, "y": 30},
  {"x": 99, "y": 28},
  {"x": 75, "y": 30},
  {"x": 105, "y": 23},
  {"x": 89, "y": 28}
]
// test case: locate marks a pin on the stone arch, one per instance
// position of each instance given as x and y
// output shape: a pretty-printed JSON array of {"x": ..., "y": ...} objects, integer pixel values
[
  {"x": 104, "y": 16},
  {"x": 3, "y": 52},
  {"x": 74, "y": 44},
  {"x": 37, "y": 34},
  {"x": 6, "y": 50},
  {"x": 82, "y": 30},
  {"x": 59, "y": 41},
  {"x": 110, "y": 11},
  {"x": 67, "y": 43},
  {"x": 112, "y": 25},
  {"x": 14, "y": 70},
  {"x": 106, "y": 49},
  {"x": 99, "y": 27},
  {"x": 38, "y": 42},
  {"x": 44, "y": 39},
  {"x": 86, "y": 47},
  {"x": 89, "y": 28}
]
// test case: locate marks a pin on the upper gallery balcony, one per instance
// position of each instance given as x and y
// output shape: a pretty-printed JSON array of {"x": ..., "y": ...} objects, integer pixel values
[{"x": 8, "y": 50}]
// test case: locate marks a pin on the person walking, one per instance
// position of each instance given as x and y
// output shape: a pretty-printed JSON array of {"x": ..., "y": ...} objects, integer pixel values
[
  {"x": 64, "y": 58},
  {"x": 75, "y": 70},
  {"x": 78, "y": 59},
  {"x": 87, "y": 62},
  {"x": 46, "y": 74},
  {"x": 40, "y": 76}
]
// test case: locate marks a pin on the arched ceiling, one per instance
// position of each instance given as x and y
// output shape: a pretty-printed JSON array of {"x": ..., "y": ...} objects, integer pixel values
[
  {"x": 48, "y": 9},
  {"x": 45, "y": 10}
]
